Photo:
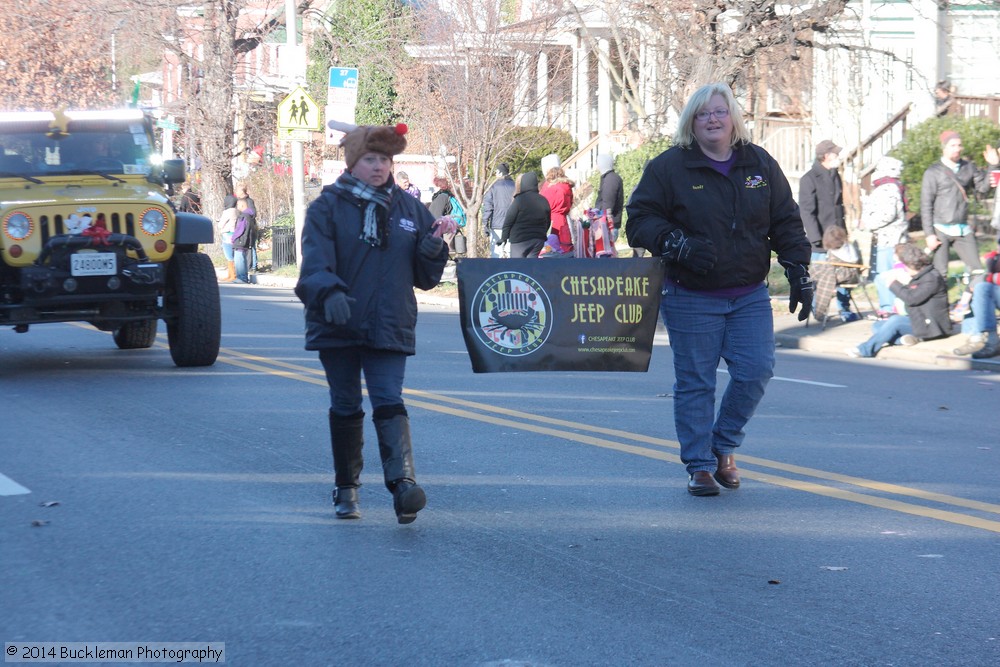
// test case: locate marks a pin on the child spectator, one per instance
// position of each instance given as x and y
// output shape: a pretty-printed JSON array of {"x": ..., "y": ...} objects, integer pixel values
[
  {"x": 830, "y": 272},
  {"x": 925, "y": 294}
]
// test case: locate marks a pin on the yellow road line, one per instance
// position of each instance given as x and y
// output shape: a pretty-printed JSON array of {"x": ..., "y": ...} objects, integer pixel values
[{"x": 555, "y": 427}]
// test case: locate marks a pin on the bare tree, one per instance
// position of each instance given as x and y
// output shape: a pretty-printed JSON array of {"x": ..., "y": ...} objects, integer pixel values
[
  {"x": 44, "y": 66},
  {"x": 754, "y": 46},
  {"x": 468, "y": 89}
]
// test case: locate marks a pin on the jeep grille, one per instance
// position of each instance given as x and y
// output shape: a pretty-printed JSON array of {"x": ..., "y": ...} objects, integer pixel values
[{"x": 53, "y": 226}]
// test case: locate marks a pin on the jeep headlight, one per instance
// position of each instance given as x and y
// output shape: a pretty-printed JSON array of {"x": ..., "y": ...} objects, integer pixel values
[
  {"x": 17, "y": 226},
  {"x": 153, "y": 221}
]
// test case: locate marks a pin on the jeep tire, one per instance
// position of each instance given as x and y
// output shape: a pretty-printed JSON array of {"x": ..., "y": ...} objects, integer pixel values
[
  {"x": 135, "y": 335},
  {"x": 193, "y": 313}
]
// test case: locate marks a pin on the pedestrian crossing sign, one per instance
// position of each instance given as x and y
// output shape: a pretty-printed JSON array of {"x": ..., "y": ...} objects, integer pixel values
[{"x": 298, "y": 111}]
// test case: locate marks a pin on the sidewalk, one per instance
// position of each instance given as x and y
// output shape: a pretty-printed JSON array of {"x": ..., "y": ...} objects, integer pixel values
[{"x": 789, "y": 333}]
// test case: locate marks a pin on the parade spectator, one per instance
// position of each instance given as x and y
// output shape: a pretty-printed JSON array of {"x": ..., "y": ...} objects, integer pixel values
[
  {"x": 832, "y": 271},
  {"x": 443, "y": 203},
  {"x": 366, "y": 245},
  {"x": 498, "y": 199},
  {"x": 243, "y": 192},
  {"x": 243, "y": 234},
  {"x": 983, "y": 342},
  {"x": 227, "y": 225},
  {"x": 610, "y": 193},
  {"x": 404, "y": 184},
  {"x": 558, "y": 190},
  {"x": 713, "y": 207},
  {"x": 944, "y": 203},
  {"x": 821, "y": 201},
  {"x": 190, "y": 200},
  {"x": 883, "y": 213},
  {"x": 528, "y": 218},
  {"x": 924, "y": 292}
]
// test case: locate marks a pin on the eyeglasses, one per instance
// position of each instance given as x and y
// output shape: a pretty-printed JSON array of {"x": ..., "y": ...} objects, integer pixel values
[{"x": 718, "y": 113}]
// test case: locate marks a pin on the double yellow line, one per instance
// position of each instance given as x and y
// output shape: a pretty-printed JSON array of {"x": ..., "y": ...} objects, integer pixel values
[{"x": 657, "y": 448}]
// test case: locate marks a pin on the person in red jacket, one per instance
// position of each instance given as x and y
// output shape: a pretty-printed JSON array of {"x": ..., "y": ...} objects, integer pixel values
[{"x": 558, "y": 190}]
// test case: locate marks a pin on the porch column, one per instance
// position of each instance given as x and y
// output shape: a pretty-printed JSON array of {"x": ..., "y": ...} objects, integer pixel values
[{"x": 542, "y": 99}]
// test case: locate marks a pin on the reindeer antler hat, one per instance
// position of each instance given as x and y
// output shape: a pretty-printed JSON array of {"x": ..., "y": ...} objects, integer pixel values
[{"x": 360, "y": 139}]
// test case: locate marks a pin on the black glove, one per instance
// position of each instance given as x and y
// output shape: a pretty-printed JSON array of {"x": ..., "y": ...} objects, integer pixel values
[
  {"x": 337, "y": 308},
  {"x": 800, "y": 288},
  {"x": 696, "y": 254},
  {"x": 430, "y": 246}
]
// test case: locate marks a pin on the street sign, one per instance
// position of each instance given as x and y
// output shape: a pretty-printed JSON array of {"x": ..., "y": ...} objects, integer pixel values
[
  {"x": 343, "y": 85},
  {"x": 298, "y": 111},
  {"x": 342, "y": 99},
  {"x": 167, "y": 124}
]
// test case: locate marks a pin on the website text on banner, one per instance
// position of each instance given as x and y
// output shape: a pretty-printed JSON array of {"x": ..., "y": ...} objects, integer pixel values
[{"x": 559, "y": 314}]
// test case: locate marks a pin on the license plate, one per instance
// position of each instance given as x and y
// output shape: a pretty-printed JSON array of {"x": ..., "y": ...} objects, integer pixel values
[{"x": 94, "y": 264}]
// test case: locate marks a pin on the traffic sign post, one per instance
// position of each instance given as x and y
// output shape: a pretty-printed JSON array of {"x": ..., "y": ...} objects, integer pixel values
[{"x": 298, "y": 112}]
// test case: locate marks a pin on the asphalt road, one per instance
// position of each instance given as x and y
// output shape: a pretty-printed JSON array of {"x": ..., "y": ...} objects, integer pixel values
[{"x": 193, "y": 505}]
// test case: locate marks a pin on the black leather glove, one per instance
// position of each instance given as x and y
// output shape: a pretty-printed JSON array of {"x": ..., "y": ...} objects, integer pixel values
[
  {"x": 337, "y": 308},
  {"x": 430, "y": 246},
  {"x": 696, "y": 254},
  {"x": 800, "y": 288}
]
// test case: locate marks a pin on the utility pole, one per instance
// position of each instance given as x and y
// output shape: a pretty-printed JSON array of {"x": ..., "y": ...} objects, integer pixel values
[{"x": 298, "y": 154}]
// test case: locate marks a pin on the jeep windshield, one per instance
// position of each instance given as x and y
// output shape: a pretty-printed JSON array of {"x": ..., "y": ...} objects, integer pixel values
[{"x": 37, "y": 145}]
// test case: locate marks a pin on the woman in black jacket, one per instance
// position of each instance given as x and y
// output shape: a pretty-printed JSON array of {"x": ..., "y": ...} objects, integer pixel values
[
  {"x": 527, "y": 222},
  {"x": 713, "y": 207}
]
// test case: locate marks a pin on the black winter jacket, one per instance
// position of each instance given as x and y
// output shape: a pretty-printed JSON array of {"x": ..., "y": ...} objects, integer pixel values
[
  {"x": 380, "y": 280},
  {"x": 746, "y": 215},
  {"x": 611, "y": 195},
  {"x": 529, "y": 215},
  {"x": 926, "y": 299},
  {"x": 496, "y": 202},
  {"x": 821, "y": 203},
  {"x": 943, "y": 198}
]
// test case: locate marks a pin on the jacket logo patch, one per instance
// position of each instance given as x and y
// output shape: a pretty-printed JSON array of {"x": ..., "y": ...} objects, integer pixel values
[
  {"x": 407, "y": 225},
  {"x": 754, "y": 182},
  {"x": 697, "y": 187}
]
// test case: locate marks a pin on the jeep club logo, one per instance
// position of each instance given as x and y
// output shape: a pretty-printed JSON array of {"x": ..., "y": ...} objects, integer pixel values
[{"x": 511, "y": 314}]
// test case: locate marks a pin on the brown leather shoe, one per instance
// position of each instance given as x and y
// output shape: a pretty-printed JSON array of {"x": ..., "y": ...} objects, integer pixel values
[
  {"x": 726, "y": 473},
  {"x": 702, "y": 484}
]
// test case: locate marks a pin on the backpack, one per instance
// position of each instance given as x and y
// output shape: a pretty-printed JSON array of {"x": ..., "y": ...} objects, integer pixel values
[{"x": 456, "y": 211}]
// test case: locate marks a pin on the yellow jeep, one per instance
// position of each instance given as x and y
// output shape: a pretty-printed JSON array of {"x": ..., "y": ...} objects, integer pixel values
[{"x": 88, "y": 233}]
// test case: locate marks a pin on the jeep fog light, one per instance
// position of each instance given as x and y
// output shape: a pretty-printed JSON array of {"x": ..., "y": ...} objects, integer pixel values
[
  {"x": 69, "y": 285},
  {"x": 17, "y": 226},
  {"x": 114, "y": 283},
  {"x": 153, "y": 221}
]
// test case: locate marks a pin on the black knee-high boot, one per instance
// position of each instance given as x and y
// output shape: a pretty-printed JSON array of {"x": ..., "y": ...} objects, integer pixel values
[
  {"x": 393, "y": 428},
  {"x": 347, "y": 441}
]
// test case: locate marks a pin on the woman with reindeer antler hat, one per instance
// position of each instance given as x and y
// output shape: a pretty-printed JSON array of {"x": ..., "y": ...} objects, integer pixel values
[{"x": 365, "y": 246}]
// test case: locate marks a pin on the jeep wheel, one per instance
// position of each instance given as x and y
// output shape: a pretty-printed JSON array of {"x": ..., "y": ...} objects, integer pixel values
[
  {"x": 194, "y": 316},
  {"x": 135, "y": 335}
]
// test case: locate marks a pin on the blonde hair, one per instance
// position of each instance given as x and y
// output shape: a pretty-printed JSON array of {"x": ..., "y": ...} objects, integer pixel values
[{"x": 684, "y": 136}]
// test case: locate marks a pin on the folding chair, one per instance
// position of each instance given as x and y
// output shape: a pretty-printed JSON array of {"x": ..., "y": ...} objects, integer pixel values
[{"x": 828, "y": 291}]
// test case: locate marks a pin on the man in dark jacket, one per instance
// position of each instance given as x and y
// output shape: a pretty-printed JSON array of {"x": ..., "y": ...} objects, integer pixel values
[
  {"x": 610, "y": 192},
  {"x": 944, "y": 203},
  {"x": 821, "y": 202},
  {"x": 495, "y": 204}
]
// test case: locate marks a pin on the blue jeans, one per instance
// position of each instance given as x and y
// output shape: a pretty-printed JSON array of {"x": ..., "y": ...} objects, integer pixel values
[
  {"x": 985, "y": 301},
  {"x": 885, "y": 332},
  {"x": 843, "y": 294},
  {"x": 883, "y": 264},
  {"x": 383, "y": 377},
  {"x": 240, "y": 260},
  {"x": 227, "y": 251},
  {"x": 704, "y": 329}
]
